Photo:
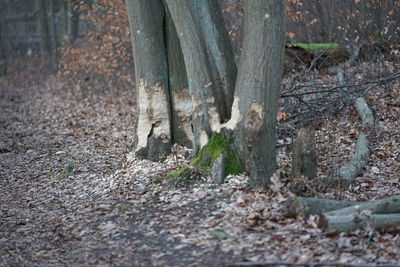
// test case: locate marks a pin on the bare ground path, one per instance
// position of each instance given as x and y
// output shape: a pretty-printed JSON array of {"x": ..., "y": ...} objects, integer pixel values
[{"x": 71, "y": 194}]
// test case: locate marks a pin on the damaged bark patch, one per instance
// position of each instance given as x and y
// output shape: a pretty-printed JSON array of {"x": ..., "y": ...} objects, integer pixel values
[
  {"x": 254, "y": 119},
  {"x": 236, "y": 115},
  {"x": 183, "y": 106},
  {"x": 153, "y": 119}
]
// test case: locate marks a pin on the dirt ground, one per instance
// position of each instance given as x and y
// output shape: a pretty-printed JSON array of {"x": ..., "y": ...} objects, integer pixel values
[{"x": 72, "y": 194}]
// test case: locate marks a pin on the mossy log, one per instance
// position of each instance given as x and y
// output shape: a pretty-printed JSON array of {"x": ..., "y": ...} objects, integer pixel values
[
  {"x": 346, "y": 223},
  {"x": 302, "y": 206},
  {"x": 381, "y": 206}
]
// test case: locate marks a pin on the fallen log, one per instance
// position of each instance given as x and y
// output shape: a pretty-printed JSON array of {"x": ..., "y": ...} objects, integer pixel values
[
  {"x": 302, "y": 206},
  {"x": 381, "y": 206},
  {"x": 347, "y": 223},
  {"x": 349, "y": 171}
]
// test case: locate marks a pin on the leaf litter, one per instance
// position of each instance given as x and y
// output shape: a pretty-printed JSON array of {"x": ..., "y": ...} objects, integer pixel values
[{"x": 107, "y": 209}]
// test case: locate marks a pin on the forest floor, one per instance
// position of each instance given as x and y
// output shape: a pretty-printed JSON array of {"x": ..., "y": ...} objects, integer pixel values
[{"x": 71, "y": 193}]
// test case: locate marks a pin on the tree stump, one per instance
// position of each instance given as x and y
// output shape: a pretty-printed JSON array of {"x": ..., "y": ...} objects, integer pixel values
[{"x": 304, "y": 161}]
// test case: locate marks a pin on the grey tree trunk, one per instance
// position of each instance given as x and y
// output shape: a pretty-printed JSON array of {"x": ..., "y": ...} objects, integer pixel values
[
  {"x": 53, "y": 33},
  {"x": 3, "y": 63},
  {"x": 153, "y": 131},
  {"x": 43, "y": 28},
  {"x": 181, "y": 101},
  {"x": 257, "y": 87},
  {"x": 209, "y": 62}
]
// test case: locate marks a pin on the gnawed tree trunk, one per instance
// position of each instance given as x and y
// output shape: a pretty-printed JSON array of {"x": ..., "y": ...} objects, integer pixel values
[
  {"x": 209, "y": 62},
  {"x": 146, "y": 19},
  {"x": 181, "y": 102},
  {"x": 346, "y": 223},
  {"x": 257, "y": 88}
]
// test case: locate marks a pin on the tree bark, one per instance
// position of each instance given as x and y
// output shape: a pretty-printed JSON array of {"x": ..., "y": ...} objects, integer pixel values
[
  {"x": 346, "y": 223},
  {"x": 209, "y": 62},
  {"x": 257, "y": 88},
  {"x": 146, "y": 19}
]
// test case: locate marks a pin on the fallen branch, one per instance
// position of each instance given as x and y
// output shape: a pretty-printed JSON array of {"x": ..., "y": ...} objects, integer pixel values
[
  {"x": 302, "y": 206},
  {"x": 347, "y": 223},
  {"x": 349, "y": 171}
]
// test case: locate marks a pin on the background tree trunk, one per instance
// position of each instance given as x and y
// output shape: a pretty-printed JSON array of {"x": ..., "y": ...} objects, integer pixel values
[
  {"x": 53, "y": 33},
  {"x": 3, "y": 63},
  {"x": 146, "y": 19},
  {"x": 257, "y": 87},
  {"x": 209, "y": 62},
  {"x": 43, "y": 28},
  {"x": 72, "y": 21}
]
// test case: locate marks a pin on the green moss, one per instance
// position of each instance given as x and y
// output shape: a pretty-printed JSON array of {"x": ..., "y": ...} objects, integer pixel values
[
  {"x": 125, "y": 207},
  {"x": 68, "y": 171},
  {"x": 178, "y": 173},
  {"x": 317, "y": 47},
  {"x": 217, "y": 145}
]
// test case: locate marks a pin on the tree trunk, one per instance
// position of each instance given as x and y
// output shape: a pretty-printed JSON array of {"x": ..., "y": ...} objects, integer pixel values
[
  {"x": 146, "y": 19},
  {"x": 43, "y": 28},
  {"x": 53, "y": 33},
  {"x": 3, "y": 62},
  {"x": 209, "y": 62},
  {"x": 181, "y": 101},
  {"x": 257, "y": 88}
]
